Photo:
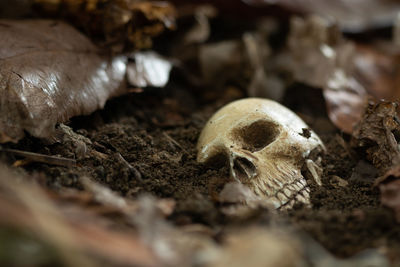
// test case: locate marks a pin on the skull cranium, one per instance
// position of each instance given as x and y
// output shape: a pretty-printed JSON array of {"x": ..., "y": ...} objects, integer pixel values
[{"x": 266, "y": 145}]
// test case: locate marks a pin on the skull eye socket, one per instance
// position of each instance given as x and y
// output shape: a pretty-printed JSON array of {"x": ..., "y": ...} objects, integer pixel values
[{"x": 257, "y": 135}]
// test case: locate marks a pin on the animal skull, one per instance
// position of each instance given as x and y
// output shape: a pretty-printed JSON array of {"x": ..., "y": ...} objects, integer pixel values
[{"x": 266, "y": 145}]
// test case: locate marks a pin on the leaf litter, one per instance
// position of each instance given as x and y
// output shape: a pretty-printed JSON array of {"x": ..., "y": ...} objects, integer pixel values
[
  {"x": 120, "y": 25},
  {"x": 136, "y": 195}
]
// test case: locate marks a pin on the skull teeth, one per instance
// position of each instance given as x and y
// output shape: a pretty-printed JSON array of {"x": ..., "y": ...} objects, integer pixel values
[
  {"x": 291, "y": 187},
  {"x": 297, "y": 187},
  {"x": 303, "y": 182},
  {"x": 282, "y": 198},
  {"x": 300, "y": 198},
  {"x": 287, "y": 192},
  {"x": 292, "y": 193},
  {"x": 275, "y": 202}
]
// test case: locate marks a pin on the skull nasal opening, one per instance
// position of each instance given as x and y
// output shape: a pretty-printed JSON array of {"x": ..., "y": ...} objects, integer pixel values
[{"x": 257, "y": 135}]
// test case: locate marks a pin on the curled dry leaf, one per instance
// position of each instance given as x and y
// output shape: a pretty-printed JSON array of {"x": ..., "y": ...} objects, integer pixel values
[
  {"x": 48, "y": 73},
  {"x": 352, "y": 15},
  {"x": 123, "y": 24},
  {"x": 61, "y": 74},
  {"x": 377, "y": 133}
]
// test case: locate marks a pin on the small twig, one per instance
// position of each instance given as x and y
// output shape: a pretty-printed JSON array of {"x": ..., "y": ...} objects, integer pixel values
[
  {"x": 135, "y": 171},
  {"x": 36, "y": 157},
  {"x": 173, "y": 141}
]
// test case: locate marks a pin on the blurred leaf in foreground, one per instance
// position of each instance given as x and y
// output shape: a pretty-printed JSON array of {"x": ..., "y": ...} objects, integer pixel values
[
  {"x": 73, "y": 236},
  {"x": 389, "y": 185}
]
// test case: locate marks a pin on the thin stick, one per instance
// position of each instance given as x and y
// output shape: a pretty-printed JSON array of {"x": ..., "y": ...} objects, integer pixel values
[
  {"x": 173, "y": 141},
  {"x": 135, "y": 171},
  {"x": 53, "y": 160}
]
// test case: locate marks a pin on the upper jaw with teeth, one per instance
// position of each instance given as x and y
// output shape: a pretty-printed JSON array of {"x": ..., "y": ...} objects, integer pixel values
[{"x": 264, "y": 144}]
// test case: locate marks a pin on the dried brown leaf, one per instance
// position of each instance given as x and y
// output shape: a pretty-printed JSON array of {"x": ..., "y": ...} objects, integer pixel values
[
  {"x": 377, "y": 134},
  {"x": 121, "y": 24},
  {"x": 48, "y": 73},
  {"x": 377, "y": 69},
  {"x": 344, "y": 108}
]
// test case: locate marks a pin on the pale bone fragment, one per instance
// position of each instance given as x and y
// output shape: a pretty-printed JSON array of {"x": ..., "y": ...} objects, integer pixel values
[
  {"x": 315, "y": 170},
  {"x": 266, "y": 146},
  {"x": 338, "y": 181}
]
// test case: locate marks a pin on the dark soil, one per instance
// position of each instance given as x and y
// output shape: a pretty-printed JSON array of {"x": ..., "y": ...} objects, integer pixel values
[{"x": 156, "y": 133}]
